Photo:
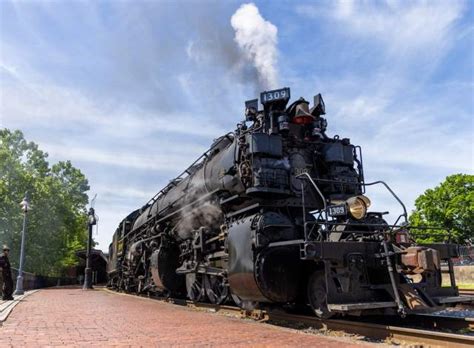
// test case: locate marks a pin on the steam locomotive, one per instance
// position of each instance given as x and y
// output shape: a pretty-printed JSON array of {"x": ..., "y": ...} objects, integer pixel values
[{"x": 275, "y": 213}]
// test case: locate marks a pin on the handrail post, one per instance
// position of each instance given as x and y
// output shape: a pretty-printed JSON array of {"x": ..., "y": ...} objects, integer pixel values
[{"x": 304, "y": 210}]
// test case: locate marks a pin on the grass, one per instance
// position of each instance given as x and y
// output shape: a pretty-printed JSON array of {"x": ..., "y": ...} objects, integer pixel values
[{"x": 463, "y": 286}]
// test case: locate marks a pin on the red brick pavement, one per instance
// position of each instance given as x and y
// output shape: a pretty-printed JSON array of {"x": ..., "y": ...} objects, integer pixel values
[{"x": 73, "y": 317}]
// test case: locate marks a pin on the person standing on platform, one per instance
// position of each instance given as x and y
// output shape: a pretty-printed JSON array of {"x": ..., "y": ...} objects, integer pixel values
[{"x": 7, "y": 287}]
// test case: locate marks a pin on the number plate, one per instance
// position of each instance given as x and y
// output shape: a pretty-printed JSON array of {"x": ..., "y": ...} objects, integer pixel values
[
  {"x": 276, "y": 95},
  {"x": 337, "y": 210}
]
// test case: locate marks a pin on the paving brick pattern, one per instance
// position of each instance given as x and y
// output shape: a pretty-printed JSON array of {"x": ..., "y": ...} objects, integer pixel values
[{"x": 73, "y": 317}]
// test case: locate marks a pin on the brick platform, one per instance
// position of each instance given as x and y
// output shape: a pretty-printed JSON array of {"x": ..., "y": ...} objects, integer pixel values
[{"x": 73, "y": 317}]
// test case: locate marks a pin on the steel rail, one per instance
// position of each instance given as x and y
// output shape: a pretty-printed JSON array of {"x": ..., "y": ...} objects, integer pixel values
[
  {"x": 428, "y": 337},
  {"x": 437, "y": 322},
  {"x": 368, "y": 329},
  {"x": 466, "y": 291}
]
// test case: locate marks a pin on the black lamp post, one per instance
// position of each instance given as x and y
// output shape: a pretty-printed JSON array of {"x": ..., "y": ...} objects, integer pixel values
[{"x": 88, "y": 271}]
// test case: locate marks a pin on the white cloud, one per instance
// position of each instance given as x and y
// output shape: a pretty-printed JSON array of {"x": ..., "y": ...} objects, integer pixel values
[
  {"x": 405, "y": 28},
  {"x": 413, "y": 132},
  {"x": 105, "y": 138},
  {"x": 168, "y": 160},
  {"x": 363, "y": 107},
  {"x": 125, "y": 192},
  {"x": 34, "y": 103},
  {"x": 416, "y": 24},
  {"x": 198, "y": 51}
]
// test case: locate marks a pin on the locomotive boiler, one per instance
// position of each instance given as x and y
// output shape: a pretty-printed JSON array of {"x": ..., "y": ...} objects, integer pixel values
[{"x": 276, "y": 214}]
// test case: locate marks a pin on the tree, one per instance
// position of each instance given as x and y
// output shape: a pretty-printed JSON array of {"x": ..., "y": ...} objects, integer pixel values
[
  {"x": 449, "y": 206},
  {"x": 57, "y": 222}
]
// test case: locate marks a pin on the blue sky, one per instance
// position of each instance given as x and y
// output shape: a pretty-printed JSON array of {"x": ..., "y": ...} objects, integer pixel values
[{"x": 133, "y": 91}]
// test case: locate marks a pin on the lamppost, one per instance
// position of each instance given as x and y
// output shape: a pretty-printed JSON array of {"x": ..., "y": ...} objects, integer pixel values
[
  {"x": 25, "y": 206},
  {"x": 88, "y": 271}
]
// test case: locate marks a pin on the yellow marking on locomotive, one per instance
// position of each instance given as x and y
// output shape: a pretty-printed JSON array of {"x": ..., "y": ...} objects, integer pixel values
[{"x": 120, "y": 247}]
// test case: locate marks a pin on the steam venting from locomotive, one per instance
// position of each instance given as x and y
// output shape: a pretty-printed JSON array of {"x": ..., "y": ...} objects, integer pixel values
[
  {"x": 277, "y": 212},
  {"x": 257, "y": 39},
  {"x": 246, "y": 48}
]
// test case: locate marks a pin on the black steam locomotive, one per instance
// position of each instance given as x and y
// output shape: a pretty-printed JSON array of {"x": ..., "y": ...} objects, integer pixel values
[{"x": 275, "y": 213}]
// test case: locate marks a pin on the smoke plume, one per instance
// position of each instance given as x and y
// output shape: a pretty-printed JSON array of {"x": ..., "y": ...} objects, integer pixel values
[
  {"x": 207, "y": 215},
  {"x": 257, "y": 39}
]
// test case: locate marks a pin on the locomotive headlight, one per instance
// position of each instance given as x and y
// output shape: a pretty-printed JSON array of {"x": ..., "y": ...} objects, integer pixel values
[{"x": 358, "y": 206}]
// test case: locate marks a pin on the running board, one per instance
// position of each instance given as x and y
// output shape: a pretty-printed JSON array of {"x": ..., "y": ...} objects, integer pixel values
[
  {"x": 454, "y": 299},
  {"x": 345, "y": 307}
]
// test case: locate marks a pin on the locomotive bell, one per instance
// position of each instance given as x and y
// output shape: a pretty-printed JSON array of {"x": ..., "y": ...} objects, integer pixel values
[{"x": 302, "y": 114}]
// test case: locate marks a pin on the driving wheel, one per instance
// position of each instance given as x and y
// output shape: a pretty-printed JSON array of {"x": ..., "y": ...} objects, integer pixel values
[
  {"x": 194, "y": 287},
  {"x": 216, "y": 289}
]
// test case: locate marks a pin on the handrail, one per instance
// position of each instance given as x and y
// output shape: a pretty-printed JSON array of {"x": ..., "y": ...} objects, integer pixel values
[
  {"x": 300, "y": 176},
  {"x": 306, "y": 176},
  {"x": 405, "y": 214},
  {"x": 387, "y": 228},
  {"x": 315, "y": 186}
]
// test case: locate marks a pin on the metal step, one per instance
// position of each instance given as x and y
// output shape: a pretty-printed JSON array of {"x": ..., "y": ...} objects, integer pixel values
[
  {"x": 345, "y": 307},
  {"x": 454, "y": 299}
]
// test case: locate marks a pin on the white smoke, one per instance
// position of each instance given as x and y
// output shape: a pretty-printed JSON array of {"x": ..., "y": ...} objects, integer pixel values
[{"x": 257, "y": 38}]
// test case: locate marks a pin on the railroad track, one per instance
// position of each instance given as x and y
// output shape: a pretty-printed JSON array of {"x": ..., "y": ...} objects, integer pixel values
[
  {"x": 384, "y": 332},
  {"x": 466, "y": 291},
  {"x": 419, "y": 329},
  {"x": 391, "y": 332}
]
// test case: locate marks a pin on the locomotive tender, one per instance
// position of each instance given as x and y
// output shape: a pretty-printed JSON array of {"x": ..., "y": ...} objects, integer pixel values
[{"x": 275, "y": 213}]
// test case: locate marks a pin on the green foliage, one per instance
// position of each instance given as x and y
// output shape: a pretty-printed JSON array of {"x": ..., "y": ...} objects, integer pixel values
[
  {"x": 449, "y": 206},
  {"x": 56, "y": 225}
]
